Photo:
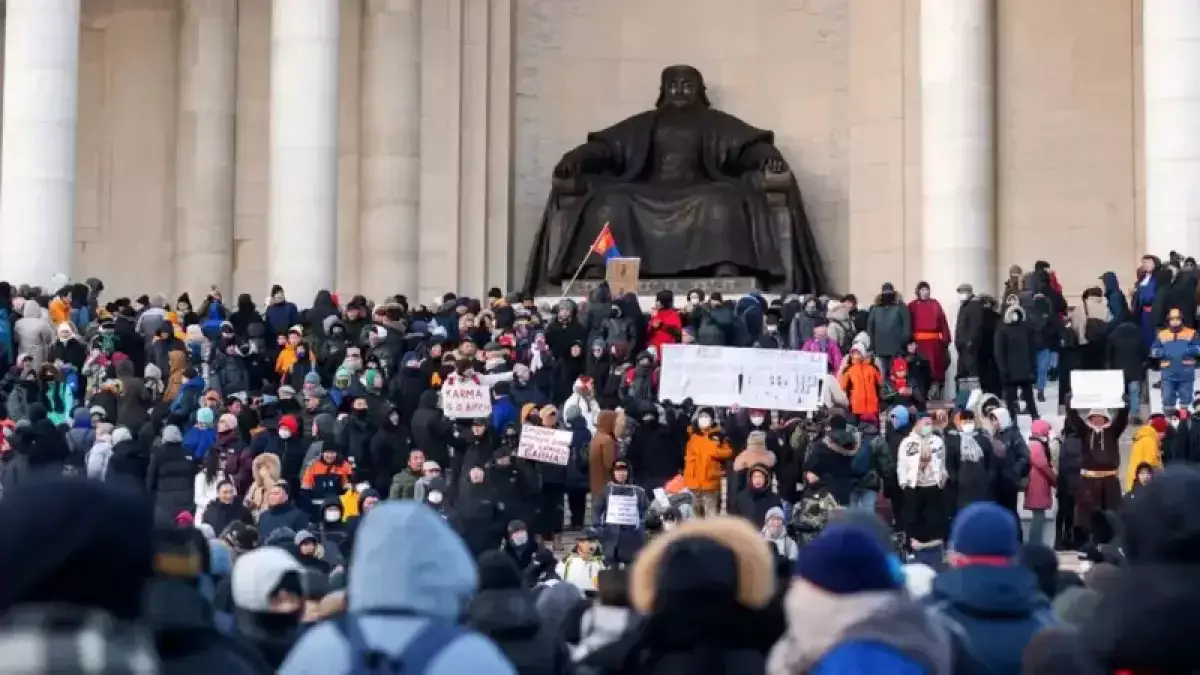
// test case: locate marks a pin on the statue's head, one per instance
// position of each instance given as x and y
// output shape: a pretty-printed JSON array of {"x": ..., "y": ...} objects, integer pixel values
[{"x": 681, "y": 87}]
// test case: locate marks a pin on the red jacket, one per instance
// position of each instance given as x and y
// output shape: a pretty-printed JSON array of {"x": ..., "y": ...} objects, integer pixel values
[{"x": 666, "y": 328}]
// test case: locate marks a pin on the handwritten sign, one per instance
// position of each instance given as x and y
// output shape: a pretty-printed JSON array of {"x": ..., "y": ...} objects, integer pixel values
[
  {"x": 465, "y": 399},
  {"x": 772, "y": 379},
  {"x": 622, "y": 510},
  {"x": 540, "y": 444}
]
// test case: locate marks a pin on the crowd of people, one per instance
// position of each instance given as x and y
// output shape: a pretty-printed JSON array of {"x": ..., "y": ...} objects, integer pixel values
[{"x": 207, "y": 488}]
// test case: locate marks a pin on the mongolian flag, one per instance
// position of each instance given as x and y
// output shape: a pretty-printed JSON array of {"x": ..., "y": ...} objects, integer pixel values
[{"x": 605, "y": 245}]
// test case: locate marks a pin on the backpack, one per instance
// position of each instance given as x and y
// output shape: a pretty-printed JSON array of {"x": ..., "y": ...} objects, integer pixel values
[{"x": 425, "y": 645}]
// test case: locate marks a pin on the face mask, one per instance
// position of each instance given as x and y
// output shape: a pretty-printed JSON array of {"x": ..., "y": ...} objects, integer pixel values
[
  {"x": 926, "y": 431},
  {"x": 704, "y": 422},
  {"x": 963, "y": 297},
  {"x": 772, "y": 328},
  {"x": 757, "y": 420},
  {"x": 435, "y": 497},
  {"x": 332, "y": 516},
  {"x": 285, "y": 433},
  {"x": 519, "y": 538},
  {"x": 774, "y": 531},
  {"x": 967, "y": 428}
]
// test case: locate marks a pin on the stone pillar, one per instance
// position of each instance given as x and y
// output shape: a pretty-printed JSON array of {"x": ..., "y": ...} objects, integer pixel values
[
  {"x": 37, "y": 170},
  {"x": 390, "y": 186},
  {"x": 1171, "y": 86},
  {"x": 302, "y": 219},
  {"x": 204, "y": 156},
  {"x": 957, "y": 147}
]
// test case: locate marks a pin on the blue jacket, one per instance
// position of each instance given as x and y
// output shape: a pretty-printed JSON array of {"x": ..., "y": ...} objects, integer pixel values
[
  {"x": 281, "y": 317},
  {"x": 395, "y": 589},
  {"x": 995, "y": 610},
  {"x": 1176, "y": 352},
  {"x": 504, "y": 413},
  {"x": 197, "y": 441}
]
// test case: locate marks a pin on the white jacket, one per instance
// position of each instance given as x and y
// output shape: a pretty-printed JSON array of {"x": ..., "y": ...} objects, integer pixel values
[
  {"x": 908, "y": 462},
  {"x": 589, "y": 410},
  {"x": 97, "y": 460},
  {"x": 579, "y": 572},
  {"x": 204, "y": 491}
]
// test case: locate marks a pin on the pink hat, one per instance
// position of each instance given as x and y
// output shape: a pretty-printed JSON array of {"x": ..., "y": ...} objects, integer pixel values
[{"x": 1041, "y": 428}]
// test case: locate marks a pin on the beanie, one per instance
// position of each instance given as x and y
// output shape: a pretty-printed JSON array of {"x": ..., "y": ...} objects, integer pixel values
[
  {"x": 985, "y": 529},
  {"x": 289, "y": 422},
  {"x": 227, "y": 422},
  {"x": 845, "y": 559},
  {"x": 171, "y": 434},
  {"x": 204, "y": 416}
]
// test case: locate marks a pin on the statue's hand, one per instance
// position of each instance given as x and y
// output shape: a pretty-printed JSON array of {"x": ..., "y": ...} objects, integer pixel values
[
  {"x": 775, "y": 165},
  {"x": 567, "y": 168}
]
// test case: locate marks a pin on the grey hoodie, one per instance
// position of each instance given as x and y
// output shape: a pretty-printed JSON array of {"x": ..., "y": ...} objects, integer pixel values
[{"x": 396, "y": 589}]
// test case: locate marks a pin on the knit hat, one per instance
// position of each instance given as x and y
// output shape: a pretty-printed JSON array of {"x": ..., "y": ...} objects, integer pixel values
[
  {"x": 899, "y": 416},
  {"x": 98, "y": 410},
  {"x": 1041, "y": 428},
  {"x": 303, "y": 536},
  {"x": 774, "y": 512},
  {"x": 966, "y": 288},
  {"x": 516, "y": 526},
  {"x": 204, "y": 416},
  {"x": 985, "y": 529},
  {"x": 845, "y": 559},
  {"x": 756, "y": 440},
  {"x": 289, "y": 422},
  {"x": 312, "y": 378},
  {"x": 430, "y": 465},
  {"x": 172, "y": 434},
  {"x": 227, "y": 422},
  {"x": 259, "y": 573}
]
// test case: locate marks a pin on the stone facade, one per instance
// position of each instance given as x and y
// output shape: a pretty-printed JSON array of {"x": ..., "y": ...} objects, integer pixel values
[{"x": 452, "y": 114}]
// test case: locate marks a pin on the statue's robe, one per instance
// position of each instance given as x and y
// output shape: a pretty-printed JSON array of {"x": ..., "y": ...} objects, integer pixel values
[{"x": 680, "y": 220}]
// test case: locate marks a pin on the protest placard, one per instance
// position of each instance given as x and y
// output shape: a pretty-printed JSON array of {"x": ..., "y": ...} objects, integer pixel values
[
  {"x": 772, "y": 379},
  {"x": 540, "y": 444},
  {"x": 464, "y": 398},
  {"x": 1097, "y": 389},
  {"x": 621, "y": 509}
]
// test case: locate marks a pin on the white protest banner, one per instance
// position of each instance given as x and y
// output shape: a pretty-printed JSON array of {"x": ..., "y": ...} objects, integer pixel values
[
  {"x": 772, "y": 379},
  {"x": 777, "y": 379},
  {"x": 621, "y": 509},
  {"x": 540, "y": 444},
  {"x": 704, "y": 374},
  {"x": 1097, "y": 389},
  {"x": 464, "y": 398}
]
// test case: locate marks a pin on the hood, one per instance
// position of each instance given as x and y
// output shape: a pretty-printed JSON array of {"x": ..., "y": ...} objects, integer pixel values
[
  {"x": 31, "y": 310},
  {"x": 1162, "y": 526},
  {"x": 245, "y": 304},
  {"x": 1014, "y": 314},
  {"x": 1163, "y": 598},
  {"x": 601, "y": 293},
  {"x": 505, "y": 613},
  {"x": 81, "y": 419},
  {"x": 606, "y": 422},
  {"x": 326, "y": 425},
  {"x": 1011, "y": 589},
  {"x": 1003, "y": 419},
  {"x": 1146, "y": 433},
  {"x": 437, "y": 578},
  {"x": 267, "y": 459},
  {"x": 837, "y": 311}
]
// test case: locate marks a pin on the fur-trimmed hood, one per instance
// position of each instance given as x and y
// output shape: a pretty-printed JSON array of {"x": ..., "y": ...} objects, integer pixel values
[
  {"x": 269, "y": 460},
  {"x": 755, "y": 570}
]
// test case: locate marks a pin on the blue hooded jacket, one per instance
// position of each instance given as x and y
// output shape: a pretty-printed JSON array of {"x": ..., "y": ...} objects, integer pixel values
[
  {"x": 1118, "y": 306},
  {"x": 395, "y": 588}
]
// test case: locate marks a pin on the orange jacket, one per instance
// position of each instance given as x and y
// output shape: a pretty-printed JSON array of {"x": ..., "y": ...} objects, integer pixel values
[
  {"x": 702, "y": 470},
  {"x": 861, "y": 382},
  {"x": 60, "y": 311},
  {"x": 319, "y": 468}
]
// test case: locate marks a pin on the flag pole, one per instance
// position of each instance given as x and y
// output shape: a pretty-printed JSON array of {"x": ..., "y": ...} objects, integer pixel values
[{"x": 579, "y": 270}]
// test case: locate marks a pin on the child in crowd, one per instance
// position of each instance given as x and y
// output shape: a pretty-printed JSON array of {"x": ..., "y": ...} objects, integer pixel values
[{"x": 583, "y": 564}]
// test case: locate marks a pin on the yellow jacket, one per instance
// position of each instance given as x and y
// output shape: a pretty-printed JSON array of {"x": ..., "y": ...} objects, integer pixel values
[
  {"x": 60, "y": 311},
  {"x": 1146, "y": 450}
]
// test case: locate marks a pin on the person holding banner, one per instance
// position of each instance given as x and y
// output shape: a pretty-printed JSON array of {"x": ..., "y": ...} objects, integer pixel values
[
  {"x": 620, "y": 509},
  {"x": 1099, "y": 489}
]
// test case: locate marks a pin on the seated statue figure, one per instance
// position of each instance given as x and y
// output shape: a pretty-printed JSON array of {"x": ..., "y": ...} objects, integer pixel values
[{"x": 692, "y": 191}]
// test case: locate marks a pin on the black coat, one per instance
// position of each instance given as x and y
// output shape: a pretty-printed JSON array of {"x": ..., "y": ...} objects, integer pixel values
[
  {"x": 509, "y": 616},
  {"x": 483, "y": 523},
  {"x": 753, "y": 504},
  {"x": 170, "y": 480},
  {"x": 220, "y": 515},
  {"x": 389, "y": 454},
  {"x": 968, "y": 337},
  {"x": 1125, "y": 351},
  {"x": 972, "y": 478},
  {"x": 1015, "y": 347},
  {"x": 186, "y": 638},
  {"x": 431, "y": 431},
  {"x": 655, "y": 454}
]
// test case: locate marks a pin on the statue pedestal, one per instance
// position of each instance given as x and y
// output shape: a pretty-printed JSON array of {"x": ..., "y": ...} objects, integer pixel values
[{"x": 726, "y": 286}]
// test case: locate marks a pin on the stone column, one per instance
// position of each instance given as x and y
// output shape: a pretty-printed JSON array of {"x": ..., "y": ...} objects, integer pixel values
[
  {"x": 1171, "y": 86},
  {"x": 302, "y": 219},
  {"x": 37, "y": 169},
  {"x": 957, "y": 147},
  {"x": 204, "y": 156},
  {"x": 390, "y": 187}
]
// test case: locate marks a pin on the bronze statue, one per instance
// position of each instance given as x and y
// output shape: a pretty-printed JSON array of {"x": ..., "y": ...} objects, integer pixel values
[{"x": 692, "y": 191}]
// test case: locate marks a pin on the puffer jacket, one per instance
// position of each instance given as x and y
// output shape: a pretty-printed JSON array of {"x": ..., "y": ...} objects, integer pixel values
[
  {"x": 34, "y": 333},
  {"x": 703, "y": 455}
]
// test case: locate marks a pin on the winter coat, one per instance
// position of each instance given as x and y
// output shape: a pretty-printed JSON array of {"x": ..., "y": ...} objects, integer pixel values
[
  {"x": 33, "y": 332},
  {"x": 431, "y": 431},
  {"x": 602, "y": 451},
  {"x": 753, "y": 503},
  {"x": 666, "y": 328},
  {"x": 277, "y": 517},
  {"x": 1176, "y": 352},
  {"x": 170, "y": 480},
  {"x": 256, "y": 496},
  {"x": 802, "y": 327},
  {"x": 890, "y": 328},
  {"x": 1039, "y": 494},
  {"x": 1146, "y": 450},
  {"x": 1094, "y": 309},
  {"x": 510, "y": 617},
  {"x": 968, "y": 337},
  {"x": 655, "y": 454},
  {"x": 1126, "y": 352},
  {"x": 861, "y": 382},
  {"x": 972, "y": 469},
  {"x": 219, "y": 516},
  {"x": 703, "y": 457},
  {"x": 1014, "y": 348},
  {"x": 134, "y": 401}
]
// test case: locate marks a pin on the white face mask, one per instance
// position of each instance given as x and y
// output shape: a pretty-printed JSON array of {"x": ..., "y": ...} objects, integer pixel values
[
  {"x": 435, "y": 497},
  {"x": 704, "y": 422},
  {"x": 332, "y": 516},
  {"x": 772, "y": 328},
  {"x": 757, "y": 420},
  {"x": 285, "y": 433},
  {"x": 968, "y": 428},
  {"x": 519, "y": 538},
  {"x": 963, "y": 297}
]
